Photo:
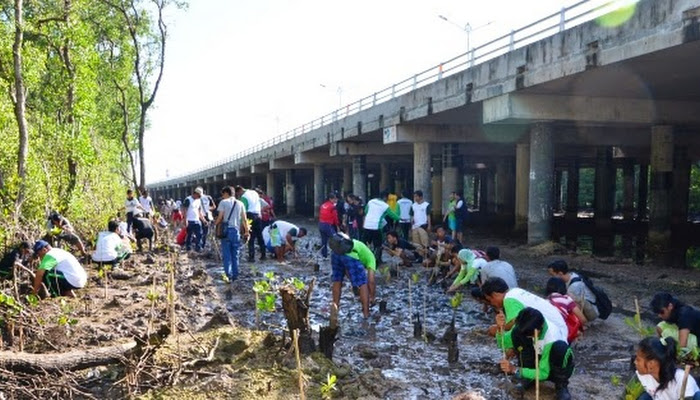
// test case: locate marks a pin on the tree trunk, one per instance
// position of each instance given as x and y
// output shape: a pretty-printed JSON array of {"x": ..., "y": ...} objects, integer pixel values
[
  {"x": 142, "y": 155},
  {"x": 296, "y": 310},
  {"x": 74, "y": 360},
  {"x": 20, "y": 107}
]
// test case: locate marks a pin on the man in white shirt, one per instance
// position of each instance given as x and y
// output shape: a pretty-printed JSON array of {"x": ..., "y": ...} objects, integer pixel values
[
  {"x": 192, "y": 209},
  {"x": 420, "y": 222},
  {"x": 146, "y": 204},
  {"x": 404, "y": 204},
  {"x": 253, "y": 205},
  {"x": 131, "y": 206},
  {"x": 110, "y": 249}
]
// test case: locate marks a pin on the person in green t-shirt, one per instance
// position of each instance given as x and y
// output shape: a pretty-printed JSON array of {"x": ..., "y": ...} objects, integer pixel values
[{"x": 354, "y": 259}]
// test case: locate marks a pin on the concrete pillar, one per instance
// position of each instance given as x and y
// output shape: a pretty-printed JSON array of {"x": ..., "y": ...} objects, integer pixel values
[
  {"x": 604, "y": 202},
  {"x": 505, "y": 188},
  {"x": 436, "y": 186},
  {"x": 643, "y": 194},
  {"x": 384, "y": 177},
  {"x": 558, "y": 195},
  {"x": 421, "y": 170},
  {"x": 571, "y": 213},
  {"x": 253, "y": 181},
  {"x": 522, "y": 185},
  {"x": 399, "y": 183},
  {"x": 679, "y": 206},
  {"x": 627, "y": 205},
  {"x": 490, "y": 191},
  {"x": 319, "y": 194},
  {"x": 290, "y": 195},
  {"x": 660, "y": 193},
  {"x": 450, "y": 173},
  {"x": 347, "y": 179},
  {"x": 541, "y": 186},
  {"x": 270, "y": 185},
  {"x": 359, "y": 176}
]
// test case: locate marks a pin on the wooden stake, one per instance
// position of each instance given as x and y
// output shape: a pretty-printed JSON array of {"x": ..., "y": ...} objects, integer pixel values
[
  {"x": 257, "y": 312},
  {"x": 410, "y": 300},
  {"x": 685, "y": 381},
  {"x": 295, "y": 337},
  {"x": 334, "y": 316},
  {"x": 537, "y": 365},
  {"x": 503, "y": 345},
  {"x": 425, "y": 302}
]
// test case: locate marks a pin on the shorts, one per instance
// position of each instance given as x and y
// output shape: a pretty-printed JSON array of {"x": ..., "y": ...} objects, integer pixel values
[
  {"x": 342, "y": 263},
  {"x": 275, "y": 238},
  {"x": 452, "y": 224},
  {"x": 56, "y": 283}
]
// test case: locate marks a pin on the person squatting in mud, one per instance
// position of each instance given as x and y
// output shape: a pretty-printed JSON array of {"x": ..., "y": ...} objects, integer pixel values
[{"x": 352, "y": 258}]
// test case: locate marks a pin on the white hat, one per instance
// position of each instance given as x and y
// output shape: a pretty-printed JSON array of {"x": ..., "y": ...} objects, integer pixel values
[{"x": 199, "y": 191}]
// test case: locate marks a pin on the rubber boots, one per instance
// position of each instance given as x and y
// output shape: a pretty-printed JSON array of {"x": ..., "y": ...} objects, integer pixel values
[{"x": 562, "y": 392}]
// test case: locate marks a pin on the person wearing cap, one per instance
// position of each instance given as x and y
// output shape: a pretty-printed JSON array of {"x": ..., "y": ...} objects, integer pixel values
[
  {"x": 61, "y": 229},
  {"x": 59, "y": 270},
  {"x": 352, "y": 258},
  {"x": 110, "y": 249},
  {"x": 18, "y": 255},
  {"x": 194, "y": 215},
  {"x": 328, "y": 222}
]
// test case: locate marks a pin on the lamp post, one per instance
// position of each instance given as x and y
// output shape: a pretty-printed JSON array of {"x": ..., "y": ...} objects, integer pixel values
[
  {"x": 466, "y": 28},
  {"x": 339, "y": 91}
]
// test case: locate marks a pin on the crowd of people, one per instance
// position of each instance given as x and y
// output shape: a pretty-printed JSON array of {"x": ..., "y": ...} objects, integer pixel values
[{"x": 531, "y": 329}]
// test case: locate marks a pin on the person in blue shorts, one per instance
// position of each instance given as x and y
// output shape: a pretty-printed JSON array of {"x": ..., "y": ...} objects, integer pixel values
[{"x": 343, "y": 262}]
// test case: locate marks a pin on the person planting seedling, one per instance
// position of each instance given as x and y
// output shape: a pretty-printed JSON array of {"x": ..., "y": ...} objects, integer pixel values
[{"x": 355, "y": 259}]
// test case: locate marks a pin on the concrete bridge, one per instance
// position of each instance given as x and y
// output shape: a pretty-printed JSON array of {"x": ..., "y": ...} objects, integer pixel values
[{"x": 517, "y": 123}]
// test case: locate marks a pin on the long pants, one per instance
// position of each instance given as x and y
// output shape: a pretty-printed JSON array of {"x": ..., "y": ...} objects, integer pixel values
[
  {"x": 205, "y": 232},
  {"x": 194, "y": 235},
  {"x": 256, "y": 235},
  {"x": 561, "y": 360},
  {"x": 420, "y": 236},
  {"x": 374, "y": 237},
  {"x": 327, "y": 230},
  {"x": 129, "y": 221},
  {"x": 230, "y": 247},
  {"x": 404, "y": 228}
]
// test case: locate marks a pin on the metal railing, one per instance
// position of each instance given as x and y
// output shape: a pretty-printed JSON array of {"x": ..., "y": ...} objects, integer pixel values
[{"x": 567, "y": 17}]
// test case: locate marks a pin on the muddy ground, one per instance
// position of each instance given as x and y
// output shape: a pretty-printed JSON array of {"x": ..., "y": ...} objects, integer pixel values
[{"x": 219, "y": 350}]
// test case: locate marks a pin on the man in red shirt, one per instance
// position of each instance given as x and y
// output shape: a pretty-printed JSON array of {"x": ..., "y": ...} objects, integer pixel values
[{"x": 328, "y": 222}]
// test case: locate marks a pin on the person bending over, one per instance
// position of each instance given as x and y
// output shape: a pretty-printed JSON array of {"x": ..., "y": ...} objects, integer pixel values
[
  {"x": 59, "y": 270},
  {"x": 344, "y": 262}
]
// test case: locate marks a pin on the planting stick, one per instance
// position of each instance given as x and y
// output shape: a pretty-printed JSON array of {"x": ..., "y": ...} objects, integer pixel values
[
  {"x": 257, "y": 312},
  {"x": 503, "y": 345},
  {"x": 425, "y": 302},
  {"x": 685, "y": 382},
  {"x": 295, "y": 336},
  {"x": 537, "y": 366}
]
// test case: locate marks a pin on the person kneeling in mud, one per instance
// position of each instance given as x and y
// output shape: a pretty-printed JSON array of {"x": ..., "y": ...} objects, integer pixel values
[
  {"x": 468, "y": 262},
  {"x": 110, "y": 248},
  {"x": 679, "y": 321},
  {"x": 143, "y": 229},
  {"x": 402, "y": 248},
  {"x": 281, "y": 237},
  {"x": 555, "y": 357},
  {"x": 59, "y": 270},
  {"x": 351, "y": 257}
]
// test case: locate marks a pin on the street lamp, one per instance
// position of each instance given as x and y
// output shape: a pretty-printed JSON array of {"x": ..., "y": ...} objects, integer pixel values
[
  {"x": 339, "y": 91},
  {"x": 466, "y": 28}
]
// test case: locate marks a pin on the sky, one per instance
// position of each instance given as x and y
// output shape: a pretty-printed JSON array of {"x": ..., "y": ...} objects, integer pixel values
[{"x": 240, "y": 72}]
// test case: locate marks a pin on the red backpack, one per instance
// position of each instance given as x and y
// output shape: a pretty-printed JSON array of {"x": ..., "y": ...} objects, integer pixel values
[{"x": 572, "y": 322}]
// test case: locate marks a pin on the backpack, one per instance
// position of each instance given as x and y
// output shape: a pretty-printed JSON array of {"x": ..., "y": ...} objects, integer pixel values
[
  {"x": 573, "y": 324},
  {"x": 462, "y": 212},
  {"x": 602, "y": 301}
]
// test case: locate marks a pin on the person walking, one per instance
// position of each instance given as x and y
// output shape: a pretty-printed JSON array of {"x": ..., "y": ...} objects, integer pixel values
[
  {"x": 232, "y": 213},
  {"x": 253, "y": 206},
  {"x": 328, "y": 222},
  {"x": 192, "y": 209}
]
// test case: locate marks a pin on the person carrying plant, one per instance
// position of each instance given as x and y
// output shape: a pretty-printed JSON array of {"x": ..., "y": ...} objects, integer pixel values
[
  {"x": 554, "y": 355},
  {"x": 655, "y": 362},
  {"x": 680, "y": 321},
  {"x": 352, "y": 258},
  {"x": 59, "y": 270}
]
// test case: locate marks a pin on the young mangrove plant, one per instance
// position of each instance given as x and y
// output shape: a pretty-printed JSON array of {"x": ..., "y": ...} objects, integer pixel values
[
  {"x": 265, "y": 295},
  {"x": 329, "y": 387},
  {"x": 636, "y": 322}
]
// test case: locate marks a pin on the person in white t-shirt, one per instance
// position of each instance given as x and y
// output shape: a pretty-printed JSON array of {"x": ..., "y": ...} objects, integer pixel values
[
  {"x": 404, "y": 204},
  {"x": 131, "y": 207},
  {"x": 194, "y": 215},
  {"x": 420, "y": 222},
  {"x": 146, "y": 204},
  {"x": 656, "y": 369},
  {"x": 110, "y": 249},
  {"x": 59, "y": 270}
]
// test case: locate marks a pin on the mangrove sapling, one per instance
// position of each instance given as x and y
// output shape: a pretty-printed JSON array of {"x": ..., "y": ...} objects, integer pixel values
[
  {"x": 451, "y": 334},
  {"x": 103, "y": 273},
  {"x": 152, "y": 296},
  {"x": 425, "y": 306},
  {"x": 636, "y": 322},
  {"x": 329, "y": 387}
]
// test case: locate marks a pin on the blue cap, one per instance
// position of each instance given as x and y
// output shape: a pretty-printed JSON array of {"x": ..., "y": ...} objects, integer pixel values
[{"x": 40, "y": 244}]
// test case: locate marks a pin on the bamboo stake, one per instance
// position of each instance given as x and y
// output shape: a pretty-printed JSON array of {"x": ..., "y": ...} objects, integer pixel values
[
  {"x": 425, "y": 302},
  {"x": 503, "y": 345},
  {"x": 537, "y": 366},
  {"x": 685, "y": 381},
  {"x": 295, "y": 337}
]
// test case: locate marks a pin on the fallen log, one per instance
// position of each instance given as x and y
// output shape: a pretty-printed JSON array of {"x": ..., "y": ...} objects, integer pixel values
[{"x": 71, "y": 361}]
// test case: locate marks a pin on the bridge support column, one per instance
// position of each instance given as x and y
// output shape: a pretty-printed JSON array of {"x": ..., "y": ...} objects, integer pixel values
[
  {"x": 253, "y": 181},
  {"x": 421, "y": 170},
  {"x": 505, "y": 194},
  {"x": 571, "y": 214},
  {"x": 450, "y": 173},
  {"x": 290, "y": 195},
  {"x": 541, "y": 191},
  {"x": 347, "y": 179},
  {"x": 604, "y": 240},
  {"x": 359, "y": 177},
  {"x": 270, "y": 185},
  {"x": 679, "y": 205},
  {"x": 384, "y": 176},
  {"x": 522, "y": 184},
  {"x": 318, "y": 188},
  {"x": 436, "y": 187},
  {"x": 627, "y": 205},
  {"x": 660, "y": 199},
  {"x": 398, "y": 183},
  {"x": 491, "y": 201}
]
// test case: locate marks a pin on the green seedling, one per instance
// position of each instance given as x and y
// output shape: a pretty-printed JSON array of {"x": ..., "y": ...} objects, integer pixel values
[
  {"x": 329, "y": 387},
  {"x": 415, "y": 277},
  {"x": 636, "y": 323},
  {"x": 615, "y": 380},
  {"x": 456, "y": 300},
  {"x": 32, "y": 300},
  {"x": 297, "y": 283}
]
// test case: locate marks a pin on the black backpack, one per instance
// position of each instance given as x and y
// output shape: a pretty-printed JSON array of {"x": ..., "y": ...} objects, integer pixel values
[{"x": 602, "y": 301}]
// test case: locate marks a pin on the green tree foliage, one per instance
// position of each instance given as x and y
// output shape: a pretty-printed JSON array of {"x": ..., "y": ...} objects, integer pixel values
[{"x": 83, "y": 108}]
